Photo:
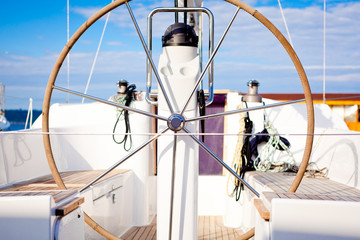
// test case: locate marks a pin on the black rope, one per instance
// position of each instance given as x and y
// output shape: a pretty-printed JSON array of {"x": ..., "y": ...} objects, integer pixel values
[
  {"x": 130, "y": 96},
  {"x": 202, "y": 111}
]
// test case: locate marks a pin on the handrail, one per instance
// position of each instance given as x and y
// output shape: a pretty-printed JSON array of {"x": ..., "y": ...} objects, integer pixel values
[{"x": 210, "y": 95}]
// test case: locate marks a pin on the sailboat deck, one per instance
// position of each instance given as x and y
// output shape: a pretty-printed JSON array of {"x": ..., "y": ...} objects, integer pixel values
[
  {"x": 315, "y": 187},
  {"x": 46, "y": 185},
  {"x": 309, "y": 189},
  {"x": 209, "y": 228}
]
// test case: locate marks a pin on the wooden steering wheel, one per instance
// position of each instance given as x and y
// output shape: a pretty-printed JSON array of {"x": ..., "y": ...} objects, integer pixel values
[{"x": 240, "y": 5}]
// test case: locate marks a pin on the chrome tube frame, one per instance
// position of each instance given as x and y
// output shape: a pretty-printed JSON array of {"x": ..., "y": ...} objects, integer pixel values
[
  {"x": 210, "y": 95},
  {"x": 149, "y": 58}
]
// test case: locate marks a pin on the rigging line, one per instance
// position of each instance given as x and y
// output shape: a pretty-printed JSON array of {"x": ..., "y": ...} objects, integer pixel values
[
  {"x": 171, "y": 134},
  {"x": 96, "y": 55},
  {"x": 324, "y": 52},
  {"x": 68, "y": 56},
  {"x": 341, "y": 98},
  {"x": 29, "y": 116},
  {"x": 287, "y": 29}
]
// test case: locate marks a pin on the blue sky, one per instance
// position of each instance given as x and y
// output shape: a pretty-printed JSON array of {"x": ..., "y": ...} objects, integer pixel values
[{"x": 33, "y": 33}]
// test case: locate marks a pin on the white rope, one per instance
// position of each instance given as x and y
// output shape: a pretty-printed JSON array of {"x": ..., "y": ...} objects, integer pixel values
[
  {"x": 313, "y": 171},
  {"x": 265, "y": 161},
  {"x": 96, "y": 55},
  {"x": 118, "y": 99},
  {"x": 287, "y": 29}
]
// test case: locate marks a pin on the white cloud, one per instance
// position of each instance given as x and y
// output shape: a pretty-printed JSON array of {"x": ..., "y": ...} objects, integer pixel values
[
  {"x": 252, "y": 44},
  {"x": 13, "y": 65},
  {"x": 115, "y": 43},
  {"x": 86, "y": 12},
  {"x": 335, "y": 67},
  {"x": 350, "y": 78},
  {"x": 249, "y": 51}
]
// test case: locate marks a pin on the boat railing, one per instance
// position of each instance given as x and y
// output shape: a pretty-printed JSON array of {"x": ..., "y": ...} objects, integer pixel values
[{"x": 210, "y": 94}]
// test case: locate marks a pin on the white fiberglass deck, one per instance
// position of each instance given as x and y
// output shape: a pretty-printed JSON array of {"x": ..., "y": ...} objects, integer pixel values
[
  {"x": 209, "y": 227},
  {"x": 309, "y": 189}
]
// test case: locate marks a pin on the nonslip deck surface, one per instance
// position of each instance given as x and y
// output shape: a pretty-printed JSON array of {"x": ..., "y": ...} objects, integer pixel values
[
  {"x": 209, "y": 228},
  {"x": 280, "y": 183},
  {"x": 58, "y": 195},
  {"x": 46, "y": 185},
  {"x": 309, "y": 189},
  {"x": 329, "y": 197}
]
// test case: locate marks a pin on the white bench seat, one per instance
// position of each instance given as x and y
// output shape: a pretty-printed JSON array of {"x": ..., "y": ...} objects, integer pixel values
[{"x": 320, "y": 208}]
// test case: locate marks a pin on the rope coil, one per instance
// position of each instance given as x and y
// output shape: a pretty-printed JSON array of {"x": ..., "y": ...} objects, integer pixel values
[
  {"x": 123, "y": 114},
  {"x": 265, "y": 161},
  {"x": 237, "y": 159}
]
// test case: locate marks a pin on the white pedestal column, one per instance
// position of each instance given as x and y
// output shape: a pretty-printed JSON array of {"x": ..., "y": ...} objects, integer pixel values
[{"x": 179, "y": 69}]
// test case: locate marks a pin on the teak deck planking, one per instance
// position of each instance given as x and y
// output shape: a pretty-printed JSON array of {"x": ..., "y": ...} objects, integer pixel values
[
  {"x": 58, "y": 195},
  {"x": 309, "y": 189},
  {"x": 46, "y": 185},
  {"x": 209, "y": 228}
]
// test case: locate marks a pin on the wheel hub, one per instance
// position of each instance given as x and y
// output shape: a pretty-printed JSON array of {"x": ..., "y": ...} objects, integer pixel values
[{"x": 176, "y": 122}]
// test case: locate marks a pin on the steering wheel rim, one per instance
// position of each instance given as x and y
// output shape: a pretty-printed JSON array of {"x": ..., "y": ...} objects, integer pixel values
[{"x": 117, "y": 3}]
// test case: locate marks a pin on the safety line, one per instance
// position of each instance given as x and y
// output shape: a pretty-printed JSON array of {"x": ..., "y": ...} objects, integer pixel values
[
  {"x": 96, "y": 55},
  {"x": 178, "y": 133}
]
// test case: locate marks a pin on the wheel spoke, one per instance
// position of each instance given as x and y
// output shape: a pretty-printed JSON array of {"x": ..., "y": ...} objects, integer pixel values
[
  {"x": 172, "y": 186},
  {"x": 110, "y": 103},
  {"x": 221, "y": 162},
  {"x": 122, "y": 160},
  {"x": 210, "y": 61},
  {"x": 150, "y": 58},
  {"x": 244, "y": 110}
]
